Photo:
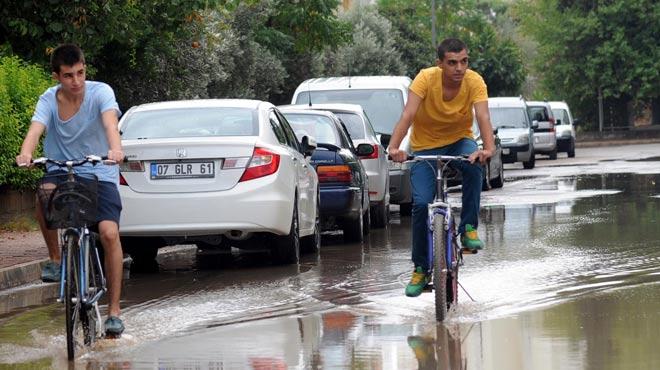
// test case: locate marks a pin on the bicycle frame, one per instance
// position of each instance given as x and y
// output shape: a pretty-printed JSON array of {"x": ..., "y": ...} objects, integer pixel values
[{"x": 83, "y": 237}]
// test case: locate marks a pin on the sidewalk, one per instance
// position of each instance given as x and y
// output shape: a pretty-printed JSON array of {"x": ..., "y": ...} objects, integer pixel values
[{"x": 21, "y": 257}]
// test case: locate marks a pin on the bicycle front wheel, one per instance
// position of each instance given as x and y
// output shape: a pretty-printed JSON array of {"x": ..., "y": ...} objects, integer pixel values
[
  {"x": 71, "y": 301},
  {"x": 440, "y": 268}
]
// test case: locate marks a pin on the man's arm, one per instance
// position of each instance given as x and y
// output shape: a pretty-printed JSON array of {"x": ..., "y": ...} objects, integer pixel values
[
  {"x": 486, "y": 128},
  {"x": 111, "y": 125},
  {"x": 30, "y": 143},
  {"x": 402, "y": 127}
]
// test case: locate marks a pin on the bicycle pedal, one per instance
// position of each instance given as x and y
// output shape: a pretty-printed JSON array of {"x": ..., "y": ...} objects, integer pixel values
[{"x": 469, "y": 251}]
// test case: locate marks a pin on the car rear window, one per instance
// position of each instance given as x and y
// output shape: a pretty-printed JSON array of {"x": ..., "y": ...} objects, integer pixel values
[
  {"x": 539, "y": 113},
  {"x": 190, "y": 122},
  {"x": 354, "y": 124},
  {"x": 383, "y": 106},
  {"x": 508, "y": 117},
  {"x": 318, "y": 126}
]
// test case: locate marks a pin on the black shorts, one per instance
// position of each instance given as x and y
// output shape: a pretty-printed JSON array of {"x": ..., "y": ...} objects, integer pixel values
[{"x": 108, "y": 204}]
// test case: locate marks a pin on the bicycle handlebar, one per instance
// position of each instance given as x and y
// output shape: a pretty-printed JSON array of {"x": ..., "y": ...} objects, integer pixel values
[
  {"x": 93, "y": 159},
  {"x": 439, "y": 157}
]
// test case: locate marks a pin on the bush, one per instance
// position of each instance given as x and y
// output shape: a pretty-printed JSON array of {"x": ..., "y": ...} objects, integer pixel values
[{"x": 20, "y": 87}]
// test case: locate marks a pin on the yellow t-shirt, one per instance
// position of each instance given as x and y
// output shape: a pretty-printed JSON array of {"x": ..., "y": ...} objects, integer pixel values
[{"x": 438, "y": 123}]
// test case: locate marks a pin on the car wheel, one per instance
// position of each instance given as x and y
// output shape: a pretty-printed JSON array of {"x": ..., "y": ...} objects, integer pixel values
[
  {"x": 366, "y": 221},
  {"x": 485, "y": 184},
  {"x": 287, "y": 247},
  {"x": 312, "y": 243},
  {"x": 405, "y": 209},
  {"x": 530, "y": 163},
  {"x": 553, "y": 154},
  {"x": 143, "y": 252},
  {"x": 498, "y": 182},
  {"x": 379, "y": 214},
  {"x": 571, "y": 149},
  {"x": 354, "y": 228}
]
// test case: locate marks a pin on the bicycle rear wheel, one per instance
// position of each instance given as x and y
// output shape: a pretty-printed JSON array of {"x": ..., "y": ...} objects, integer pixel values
[{"x": 440, "y": 268}]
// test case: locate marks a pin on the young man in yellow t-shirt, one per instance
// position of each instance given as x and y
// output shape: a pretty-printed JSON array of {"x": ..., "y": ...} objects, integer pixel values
[{"x": 440, "y": 110}]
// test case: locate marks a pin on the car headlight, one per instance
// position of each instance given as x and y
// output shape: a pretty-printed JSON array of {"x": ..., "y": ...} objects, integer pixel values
[{"x": 523, "y": 139}]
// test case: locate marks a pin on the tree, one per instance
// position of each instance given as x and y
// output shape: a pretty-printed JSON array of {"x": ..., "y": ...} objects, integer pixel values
[
  {"x": 372, "y": 51},
  {"x": 585, "y": 46}
]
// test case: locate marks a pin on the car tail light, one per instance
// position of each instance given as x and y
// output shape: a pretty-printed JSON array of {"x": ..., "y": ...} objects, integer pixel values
[
  {"x": 131, "y": 166},
  {"x": 372, "y": 155},
  {"x": 263, "y": 163},
  {"x": 552, "y": 124},
  {"x": 341, "y": 173},
  {"x": 122, "y": 180}
]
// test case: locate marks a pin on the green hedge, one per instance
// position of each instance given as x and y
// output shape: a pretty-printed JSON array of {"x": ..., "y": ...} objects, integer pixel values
[{"x": 20, "y": 87}]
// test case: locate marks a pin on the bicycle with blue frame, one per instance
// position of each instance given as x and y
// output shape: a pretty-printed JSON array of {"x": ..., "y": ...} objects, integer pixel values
[
  {"x": 444, "y": 250},
  {"x": 69, "y": 201}
]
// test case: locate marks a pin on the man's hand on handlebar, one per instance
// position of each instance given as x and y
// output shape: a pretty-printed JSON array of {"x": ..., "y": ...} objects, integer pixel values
[
  {"x": 480, "y": 155},
  {"x": 115, "y": 155},
  {"x": 397, "y": 155},
  {"x": 23, "y": 160}
]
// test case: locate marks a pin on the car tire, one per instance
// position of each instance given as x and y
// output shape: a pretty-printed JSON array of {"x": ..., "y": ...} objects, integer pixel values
[
  {"x": 571, "y": 149},
  {"x": 312, "y": 243},
  {"x": 405, "y": 209},
  {"x": 379, "y": 214},
  {"x": 531, "y": 162},
  {"x": 498, "y": 182},
  {"x": 143, "y": 252},
  {"x": 286, "y": 250},
  {"x": 553, "y": 154},
  {"x": 366, "y": 220},
  {"x": 354, "y": 228}
]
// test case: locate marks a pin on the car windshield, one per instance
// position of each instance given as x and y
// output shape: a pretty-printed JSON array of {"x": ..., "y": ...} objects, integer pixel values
[
  {"x": 319, "y": 127},
  {"x": 562, "y": 116},
  {"x": 508, "y": 117},
  {"x": 354, "y": 124},
  {"x": 383, "y": 106},
  {"x": 190, "y": 122}
]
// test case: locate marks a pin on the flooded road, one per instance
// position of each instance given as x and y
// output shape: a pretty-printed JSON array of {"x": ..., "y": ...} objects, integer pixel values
[{"x": 570, "y": 279}]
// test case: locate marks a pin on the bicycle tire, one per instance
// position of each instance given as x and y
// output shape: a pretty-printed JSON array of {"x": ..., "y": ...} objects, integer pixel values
[
  {"x": 440, "y": 268},
  {"x": 88, "y": 313},
  {"x": 70, "y": 292},
  {"x": 452, "y": 276}
]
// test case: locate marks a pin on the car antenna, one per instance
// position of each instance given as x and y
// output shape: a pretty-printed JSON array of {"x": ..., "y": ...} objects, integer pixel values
[
  {"x": 309, "y": 94},
  {"x": 349, "y": 72}
]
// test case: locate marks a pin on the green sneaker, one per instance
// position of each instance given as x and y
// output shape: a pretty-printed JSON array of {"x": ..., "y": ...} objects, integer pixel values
[
  {"x": 470, "y": 239},
  {"x": 419, "y": 280}
]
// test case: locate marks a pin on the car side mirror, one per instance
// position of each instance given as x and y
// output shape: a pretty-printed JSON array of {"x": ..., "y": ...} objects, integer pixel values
[
  {"x": 385, "y": 139},
  {"x": 557, "y": 122},
  {"x": 365, "y": 150},
  {"x": 308, "y": 145}
]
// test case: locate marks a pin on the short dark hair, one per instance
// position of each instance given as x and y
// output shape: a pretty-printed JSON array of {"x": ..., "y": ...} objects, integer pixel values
[
  {"x": 450, "y": 45},
  {"x": 66, "y": 55}
]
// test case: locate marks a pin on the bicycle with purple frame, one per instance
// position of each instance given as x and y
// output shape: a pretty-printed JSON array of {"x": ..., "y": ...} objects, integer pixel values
[{"x": 442, "y": 236}]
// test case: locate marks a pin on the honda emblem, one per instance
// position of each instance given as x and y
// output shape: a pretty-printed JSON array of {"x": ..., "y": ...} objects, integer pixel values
[{"x": 181, "y": 153}]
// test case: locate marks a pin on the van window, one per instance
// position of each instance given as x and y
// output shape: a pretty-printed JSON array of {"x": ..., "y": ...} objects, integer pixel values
[
  {"x": 508, "y": 117},
  {"x": 562, "y": 114},
  {"x": 383, "y": 106}
]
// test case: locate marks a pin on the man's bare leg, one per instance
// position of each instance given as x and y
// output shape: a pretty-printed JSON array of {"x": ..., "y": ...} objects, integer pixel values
[
  {"x": 109, "y": 233},
  {"x": 50, "y": 236}
]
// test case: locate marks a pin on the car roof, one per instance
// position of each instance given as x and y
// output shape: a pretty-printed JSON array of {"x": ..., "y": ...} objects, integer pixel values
[
  {"x": 297, "y": 110},
  {"x": 518, "y": 101},
  {"x": 353, "y": 108},
  {"x": 201, "y": 103},
  {"x": 558, "y": 104},
  {"x": 356, "y": 82},
  {"x": 538, "y": 103}
]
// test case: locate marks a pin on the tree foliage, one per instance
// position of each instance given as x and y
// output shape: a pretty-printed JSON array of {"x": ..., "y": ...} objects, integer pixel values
[
  {"x": 496, "y": 58},
  {"x": 585, "y": 46},
  {"x": 372, "y": 50}
]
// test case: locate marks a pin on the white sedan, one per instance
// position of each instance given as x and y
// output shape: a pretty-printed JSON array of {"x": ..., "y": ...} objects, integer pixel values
[{"x": 219, "y": 173}]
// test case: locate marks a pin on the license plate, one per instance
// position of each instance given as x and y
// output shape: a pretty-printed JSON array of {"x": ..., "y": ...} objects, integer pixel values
[
  {"x": 182, "y": 170},
  {"x": 505, "y": 151}
]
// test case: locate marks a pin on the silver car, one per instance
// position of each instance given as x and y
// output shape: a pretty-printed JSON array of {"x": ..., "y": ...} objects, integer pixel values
[
  {"x": 361, "y": 131},
  {"x": 545, "y": 141}
]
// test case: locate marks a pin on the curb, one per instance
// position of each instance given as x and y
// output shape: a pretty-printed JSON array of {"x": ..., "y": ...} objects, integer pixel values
[{"x": 21, "y": 274}]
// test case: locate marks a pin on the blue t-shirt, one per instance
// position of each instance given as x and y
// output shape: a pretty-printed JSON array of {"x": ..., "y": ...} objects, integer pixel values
[{"x": 81, "y": 135}]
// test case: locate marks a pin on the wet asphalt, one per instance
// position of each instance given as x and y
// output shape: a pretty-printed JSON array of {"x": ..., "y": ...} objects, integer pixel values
[{"x": 569, "y": 280}]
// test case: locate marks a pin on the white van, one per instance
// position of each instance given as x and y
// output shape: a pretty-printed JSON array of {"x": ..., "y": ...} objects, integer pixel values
[
  {"x": 510, "y": 116},
  {"x": 383, "y": 99},
  {"x": 564, "y": 127}
]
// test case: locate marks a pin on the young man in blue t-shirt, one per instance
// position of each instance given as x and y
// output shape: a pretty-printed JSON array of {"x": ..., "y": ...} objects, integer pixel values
[{"x": 80, "y": 118}]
